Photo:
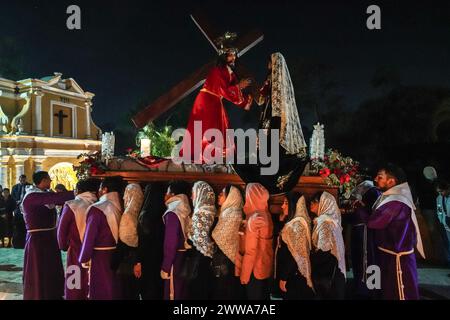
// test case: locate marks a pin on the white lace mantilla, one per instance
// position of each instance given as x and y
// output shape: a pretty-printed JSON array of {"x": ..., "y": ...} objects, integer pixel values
[{"x": 285, "y": 107}]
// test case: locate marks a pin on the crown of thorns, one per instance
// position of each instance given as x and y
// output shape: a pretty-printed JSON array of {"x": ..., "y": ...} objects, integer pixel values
[{"x": 224, "y": 43}]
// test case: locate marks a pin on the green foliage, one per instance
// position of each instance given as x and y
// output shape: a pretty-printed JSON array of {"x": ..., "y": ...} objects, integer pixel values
[{"x": 161, "y": 140}]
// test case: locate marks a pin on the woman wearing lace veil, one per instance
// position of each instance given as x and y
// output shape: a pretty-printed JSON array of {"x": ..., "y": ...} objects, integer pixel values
[
  {"x": 293, "y": 262},
  {"x": 328, "y": 255},
  {"x": 226, "y": 235},
  {"x": 279, "y": 111},
  {"x": 199, "y": 234}
]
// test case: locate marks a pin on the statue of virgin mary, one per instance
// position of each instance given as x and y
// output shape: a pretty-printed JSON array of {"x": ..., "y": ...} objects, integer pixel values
[{"x": 279, "y": 111}]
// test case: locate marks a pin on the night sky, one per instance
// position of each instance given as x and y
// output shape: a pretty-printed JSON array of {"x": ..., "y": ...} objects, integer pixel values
[{"x": 132, "y": 51}]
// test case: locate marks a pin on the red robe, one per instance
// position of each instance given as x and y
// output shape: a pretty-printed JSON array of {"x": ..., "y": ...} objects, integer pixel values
[{"x": 208, "y": 108}]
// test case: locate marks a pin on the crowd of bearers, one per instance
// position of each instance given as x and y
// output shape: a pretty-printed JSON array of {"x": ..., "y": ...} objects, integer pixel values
[{"x": 177, "y": 242}]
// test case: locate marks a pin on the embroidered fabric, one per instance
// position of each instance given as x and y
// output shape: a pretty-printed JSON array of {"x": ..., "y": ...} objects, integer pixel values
[
  {"x": 327, "y": 231},
  {"x": 203, "y": 218},
  {"x": 297, "y": 235},
  {"x": 133, "y": 199},
  {"x": 226, "y": 232},
  {"x": 285, "y": 107}
]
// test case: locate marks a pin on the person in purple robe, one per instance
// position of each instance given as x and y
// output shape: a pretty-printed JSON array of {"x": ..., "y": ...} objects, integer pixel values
[
  {"x": 100, "y": 240},
  {"x": 362, "y": 251},
  {"x": 396, "y": 233},
  {"x": 71, "y": 228},
  {"x": 176, "y": 220},
  {"x": 43, "y": 274}
]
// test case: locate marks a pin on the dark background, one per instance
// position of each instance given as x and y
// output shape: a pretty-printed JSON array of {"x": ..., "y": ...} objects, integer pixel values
[{"x": 382, "y": 94}]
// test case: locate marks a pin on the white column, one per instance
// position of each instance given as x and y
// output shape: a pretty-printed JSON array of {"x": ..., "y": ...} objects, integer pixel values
[
  {"x": 4, "y": 173},
  {"x": 38, "y": 163},
  {"x": 20, "y": 169},
  {"x": 38, "y": 114},
  {"x": 88, "y": 105}
]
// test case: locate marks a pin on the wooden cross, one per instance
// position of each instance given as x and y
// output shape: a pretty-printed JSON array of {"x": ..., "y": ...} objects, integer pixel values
[
  {"x": 61, "y": 117},
  {"x": 197, "y": 78}
]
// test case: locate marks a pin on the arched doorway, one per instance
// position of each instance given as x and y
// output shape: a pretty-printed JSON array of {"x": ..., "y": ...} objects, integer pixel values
[{"x": 63, "y": 173}]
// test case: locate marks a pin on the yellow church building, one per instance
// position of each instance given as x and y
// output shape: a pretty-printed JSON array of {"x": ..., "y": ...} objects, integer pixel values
[{"x": 44, "y": 125}]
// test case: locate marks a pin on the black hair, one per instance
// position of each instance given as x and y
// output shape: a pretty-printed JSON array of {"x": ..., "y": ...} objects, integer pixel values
[
  {"x": 395, "y": 172},
  {"x": 88, "y": 185},
  {"x": 316, "y": 197},
  {"x": 222, "y": 60},
  {"x": 441, "y": 184},
  {"x": 180, "y": 187},
  {"x": 6, "y": 189},
  {"x": 114, "y": 184},
  {"x": 22, "y": 176},
  {"x": 292, "y": 198},
  {"x": 61, "y": 187},
  {"x": 38, "y": 176},
  {"x": 150, "y": 221},
  {"x": 228, "y": 188}
]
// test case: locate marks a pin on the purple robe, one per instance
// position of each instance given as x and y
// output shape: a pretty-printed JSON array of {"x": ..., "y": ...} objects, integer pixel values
[
  {"x": 103, "y": 282},
  {"x": 173, "y": 258},
  {"x": 43, "y": 274},
  {"x": 394, "y": 230},
  {"x": 69, "y": 240},
  {"x": 362, "y": 248}
]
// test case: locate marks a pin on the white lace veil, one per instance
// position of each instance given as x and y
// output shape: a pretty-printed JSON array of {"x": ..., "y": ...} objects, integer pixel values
[
  {"x": 133, "y": 199},
  {"x": 327, "y": 231},
  {"x": 284, "y": 106},
  {"x": 202, "y": 218},
  {"x": 297, "y": 235}
]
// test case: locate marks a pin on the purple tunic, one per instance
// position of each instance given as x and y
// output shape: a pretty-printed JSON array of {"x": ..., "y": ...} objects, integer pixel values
[
  {"x": 395, "y": 231},
  {"x": 103, "y": 282},
  {"x": 173, "y": 258},
  {"x": 69, "y": 240},
  {"x": 362, "y": 248},
  {"x": 43, "y": 275}
]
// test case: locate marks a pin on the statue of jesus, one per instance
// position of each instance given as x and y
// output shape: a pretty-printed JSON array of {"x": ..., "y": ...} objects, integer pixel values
[{"x": 208, "y": 108}]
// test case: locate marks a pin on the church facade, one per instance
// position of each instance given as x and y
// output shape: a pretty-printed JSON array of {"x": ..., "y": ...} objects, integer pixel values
[{"x": 44, "y": 125}]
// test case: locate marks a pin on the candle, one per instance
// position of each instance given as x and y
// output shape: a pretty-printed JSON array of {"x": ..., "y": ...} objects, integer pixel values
[
  {"x": 146, "y": 147},
  {"x": 108, "y": 142}
]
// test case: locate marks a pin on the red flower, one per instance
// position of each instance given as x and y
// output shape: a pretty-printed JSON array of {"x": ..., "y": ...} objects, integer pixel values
[
  {"x": 95, "y": 170},
  {"x": 325, "y": 172},
  {"x": 129, "y": 150},
  {"x": 347, "y": 178},
  {"x": 337, "y": 172}
]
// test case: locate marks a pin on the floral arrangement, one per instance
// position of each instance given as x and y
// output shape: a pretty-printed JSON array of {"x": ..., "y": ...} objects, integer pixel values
[
  {"x": 339, "y": 170},
  {"x": 91, "y": 164},
  {"x": 161, "y": 141}
]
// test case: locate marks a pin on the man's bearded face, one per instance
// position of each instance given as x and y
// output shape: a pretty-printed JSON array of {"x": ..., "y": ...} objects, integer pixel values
[
  {"x": 231, "y": 59},
  {"x": 384, "y": 181}
]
